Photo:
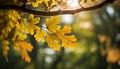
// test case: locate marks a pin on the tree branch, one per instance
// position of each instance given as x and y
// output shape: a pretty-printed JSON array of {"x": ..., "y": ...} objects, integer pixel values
[{"x": 48, "y": 13}]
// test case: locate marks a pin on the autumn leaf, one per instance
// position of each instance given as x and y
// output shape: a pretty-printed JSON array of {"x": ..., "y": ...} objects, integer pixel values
[
  {"x": 113, "y": 55},
  {"x": 25, "y": 55},
  {"x": 53, "y": 2},
  {"x": 67, "y": 40},
  {"x": 31, "y": 24},
  {"x": 5, "y": 48},
  {"x": 19, "y": 36},
  {"x": 53, "y": 42},
  {"x": 40, "y": 34},
  {"x": 24, "y": 47},
  {"x": 52, "y": 23},
  {"x": 36, "y": 4},
  {"x": 46, "y": 2},
  {"x": 22, "y": 25},
  {"x": 14, "y": 16}
]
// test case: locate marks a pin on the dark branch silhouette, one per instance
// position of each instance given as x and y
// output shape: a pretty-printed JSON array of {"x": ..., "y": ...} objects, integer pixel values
[{"x": 52, "y": 13}]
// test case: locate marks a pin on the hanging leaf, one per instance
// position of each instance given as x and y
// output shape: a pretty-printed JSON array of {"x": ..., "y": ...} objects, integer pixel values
[
  {"x": 53, "y": 42},
  {"x": 40, "y": 34},
  {"x": 52, "y": 23},
  {"x": 5, "y": 48},
  {"x": 31, "y": 24},
  {"x": 67, "y": 40},
  {"x": 24, "y": 47}
]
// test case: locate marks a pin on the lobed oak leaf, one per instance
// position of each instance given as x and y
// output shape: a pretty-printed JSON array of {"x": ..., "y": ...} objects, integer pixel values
[
  {"x": 19, "y": 36},
  {"x": 33, "y": 20},
  {"x": 66, "y": 29},
  {"x": 22, "y": 25},
  {"x": 24, "y": 47},
  {"x": 14, "y": 16},
  {"x": 52, "y": 23},
  {"x": 25, "y": 55},
  {"x": 39, "y": 36},
  {"x": 67, "y": 40},
  {"x": 53, "y": 42},
  {"x": 31, "y": 24}
]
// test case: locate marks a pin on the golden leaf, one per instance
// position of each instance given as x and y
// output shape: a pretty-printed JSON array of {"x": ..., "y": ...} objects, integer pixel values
[
  {"x": 53, "y": 42},
  {"x": 67, "y": 40},
  {"x": 19, "y": 36},
  {"x": 31, "y": 24},
  {"x": 52, "y": 23},
  {"x": 35, "y": 3},
  {"x": 5, "y": 48},
  {"x": 39, "y": 36},
  {"x": 24, "y": 47},
  {"x": 113, "y": 55},
  {"x": 25, "y": 55},
  {"x": 22, "y": 25},
  {"x": 46, "y": 2},
  {"x": 54, "y": 2}
]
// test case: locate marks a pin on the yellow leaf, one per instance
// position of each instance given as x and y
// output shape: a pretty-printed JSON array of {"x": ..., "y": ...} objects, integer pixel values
[
  {"x": 16, "y": 48},
  {"x": 5, "y": 48},
  {"x": 53, "y": 2},
  {"x": 24, "y": 47},
  {"x": 30, "y": 29},
  {"x": 19, "y": 36},
  {"x": 52, "y": 23},
  {"x": 66, "y": 29},
  {"x": 53, "y": 42},
  {"x": 22, "y": 25},
  {"x": 35, "y": 3},
  {"x": 31, "y": 24},
  {"x": 14, "y": 17},
  {"x": 67, "y": 40},
  {"x": 39, "y": 36},
  {"x": 113, "y": 55},
  {"x": 25, "y": 55},
  {"x": 33, "y": 20},
  {"x": 46, "y": 2}
]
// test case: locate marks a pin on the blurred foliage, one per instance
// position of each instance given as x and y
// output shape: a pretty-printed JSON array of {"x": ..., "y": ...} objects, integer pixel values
[{"x": 97, "y": 33}]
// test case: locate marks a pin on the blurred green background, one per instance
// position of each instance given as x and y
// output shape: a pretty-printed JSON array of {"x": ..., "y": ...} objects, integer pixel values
[{"x": 98, "y": 34}]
